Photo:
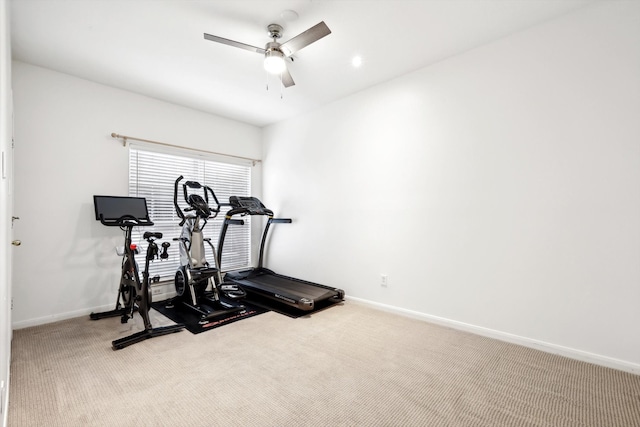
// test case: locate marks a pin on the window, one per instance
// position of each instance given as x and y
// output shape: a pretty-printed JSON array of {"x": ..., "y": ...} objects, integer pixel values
[{"x": 152, "y": 175}]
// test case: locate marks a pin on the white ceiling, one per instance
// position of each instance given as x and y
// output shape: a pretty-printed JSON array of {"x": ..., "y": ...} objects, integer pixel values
[{"x": 156, "y": 47}]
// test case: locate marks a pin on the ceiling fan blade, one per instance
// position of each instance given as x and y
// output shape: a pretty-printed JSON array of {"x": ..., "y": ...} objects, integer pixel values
[
  {"x": 234, "y": 43},
  {"x": 313, "y": 34},
  {"x": 287, "y": 80}
]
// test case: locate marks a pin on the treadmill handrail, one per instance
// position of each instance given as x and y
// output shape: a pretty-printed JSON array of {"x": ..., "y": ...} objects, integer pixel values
[
  {"x": 281, "y": 220},
  {"x": 264, "y": 236},
  {"x": 261, "y": 210}
]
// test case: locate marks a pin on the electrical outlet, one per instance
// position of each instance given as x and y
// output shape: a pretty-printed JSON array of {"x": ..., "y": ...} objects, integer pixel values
[{"x": 384, "y": 280}]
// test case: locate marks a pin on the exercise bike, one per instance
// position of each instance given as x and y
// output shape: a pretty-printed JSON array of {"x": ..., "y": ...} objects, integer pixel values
[
  {"x": 133, "y": 294},
  {"x": 199, "y": 285}
]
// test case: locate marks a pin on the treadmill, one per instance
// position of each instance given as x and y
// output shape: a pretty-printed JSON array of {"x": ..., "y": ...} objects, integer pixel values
[{"x": 262, "y": 282}]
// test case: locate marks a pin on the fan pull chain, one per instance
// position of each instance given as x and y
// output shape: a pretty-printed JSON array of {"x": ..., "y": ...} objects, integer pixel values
[{"x": 281, "y": 85}]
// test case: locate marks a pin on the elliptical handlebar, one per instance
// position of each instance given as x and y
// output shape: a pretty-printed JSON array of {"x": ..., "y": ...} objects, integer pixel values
[
  {"x": 175, "y": 200},
  {"x": 207, "y": 207},
  {"x": 216, "y": 208}
]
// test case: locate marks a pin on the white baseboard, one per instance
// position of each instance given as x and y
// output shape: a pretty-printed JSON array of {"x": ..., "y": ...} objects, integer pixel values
[
  {"x": 57, "y": 317},
  {"x": 572, "y": 353},
  {"x": 160, "y": 293},
  {"x": 163, "y": 293}
]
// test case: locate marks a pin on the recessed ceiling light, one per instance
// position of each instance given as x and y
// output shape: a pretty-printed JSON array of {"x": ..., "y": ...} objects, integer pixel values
[
  {"x": 289, "y": 15},
  {"x": 356, "y": 61}
]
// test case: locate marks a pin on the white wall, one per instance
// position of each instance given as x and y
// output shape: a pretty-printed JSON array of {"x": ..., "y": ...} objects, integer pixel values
[
  {"x": 5, "y": 209},
  {"x": 64, "y": 155},
  {"x": 497, "y": 189}
]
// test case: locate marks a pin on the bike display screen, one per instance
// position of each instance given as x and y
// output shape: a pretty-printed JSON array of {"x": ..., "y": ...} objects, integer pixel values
[{"x": 112, "y": 208}]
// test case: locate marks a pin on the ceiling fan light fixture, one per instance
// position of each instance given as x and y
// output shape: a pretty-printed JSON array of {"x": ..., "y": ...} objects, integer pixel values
[
  {"x": 274, "y": 61},
  {"x": 275, "y": 53}
]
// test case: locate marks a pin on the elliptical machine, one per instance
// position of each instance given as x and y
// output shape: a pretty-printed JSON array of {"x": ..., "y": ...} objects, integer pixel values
[
  {"x": 133, "y": 294},
  {"x": 199, "y": 285}
]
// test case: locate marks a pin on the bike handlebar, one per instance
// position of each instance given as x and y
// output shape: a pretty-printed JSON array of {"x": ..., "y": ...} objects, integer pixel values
[{"x": 126, "y": 221}]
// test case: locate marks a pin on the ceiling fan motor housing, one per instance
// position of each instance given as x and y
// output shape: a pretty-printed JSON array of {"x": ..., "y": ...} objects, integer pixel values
[
  {"x": 275, "y": 31},
  {"x": 273, "y": 46}
]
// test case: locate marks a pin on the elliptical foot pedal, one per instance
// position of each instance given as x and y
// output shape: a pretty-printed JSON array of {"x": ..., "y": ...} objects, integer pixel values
[
  {"x": 232, "y": 291},
  {"x": 225, "y": 309}
]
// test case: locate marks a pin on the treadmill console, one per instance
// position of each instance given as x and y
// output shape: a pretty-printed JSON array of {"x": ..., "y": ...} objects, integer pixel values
[{"x": 248, "y": 206}]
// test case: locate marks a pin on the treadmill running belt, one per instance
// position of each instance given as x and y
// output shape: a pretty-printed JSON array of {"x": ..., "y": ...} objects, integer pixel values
[
  {"x": 286, "y": 285},
  {"x": 297, "y": 293}
]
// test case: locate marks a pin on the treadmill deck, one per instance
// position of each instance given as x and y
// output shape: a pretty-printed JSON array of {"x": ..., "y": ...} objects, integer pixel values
[{"x": 294, "y": 292}]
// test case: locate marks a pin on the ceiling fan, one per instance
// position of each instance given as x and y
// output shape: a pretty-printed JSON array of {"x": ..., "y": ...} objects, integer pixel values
[{"x": 274, "y": 52}]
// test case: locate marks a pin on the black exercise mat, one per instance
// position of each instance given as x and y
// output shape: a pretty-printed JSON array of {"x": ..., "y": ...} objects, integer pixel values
[
  {"x": 180, "y": 314},
  {"x": 287, "y": 310}
]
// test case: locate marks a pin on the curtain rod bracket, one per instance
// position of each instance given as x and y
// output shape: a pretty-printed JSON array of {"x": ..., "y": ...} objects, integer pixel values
[{"x": 124, "y": 138}]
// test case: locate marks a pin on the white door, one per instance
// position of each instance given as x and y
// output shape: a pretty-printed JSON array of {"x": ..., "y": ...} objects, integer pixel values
[
  {"x": 6, "y": 192},
  {"x": 6, "y": 241}
]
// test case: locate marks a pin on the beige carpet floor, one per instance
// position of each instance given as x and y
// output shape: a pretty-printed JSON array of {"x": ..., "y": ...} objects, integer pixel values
[{"x": 350, "y": 365}]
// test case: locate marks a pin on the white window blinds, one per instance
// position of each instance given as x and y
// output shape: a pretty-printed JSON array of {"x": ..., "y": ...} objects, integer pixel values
[{"x": 152, "y": 175}]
